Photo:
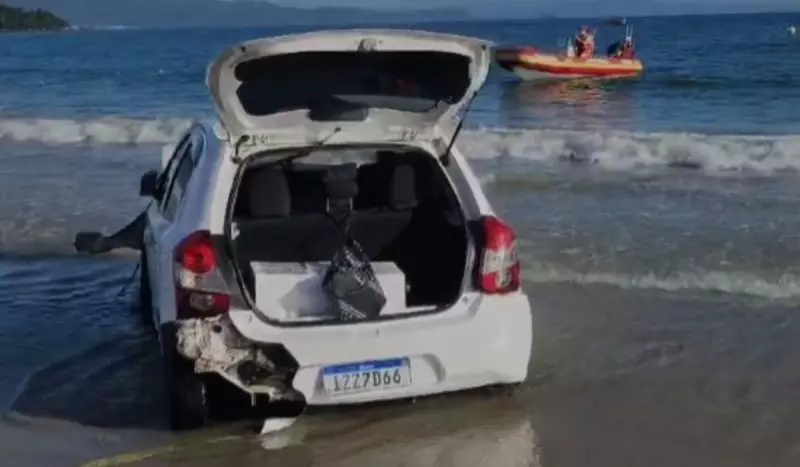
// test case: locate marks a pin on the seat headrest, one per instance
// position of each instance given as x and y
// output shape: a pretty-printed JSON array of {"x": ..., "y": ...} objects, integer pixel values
[
  {"x": 268, "y": 193},
  {"x": 341, "y": 186},
  {"x": 402, "y": 188},
  {"x": 307, "y": 191},
  {"x": 340, "y": 182},
  {"x": 372, "y": 187}
]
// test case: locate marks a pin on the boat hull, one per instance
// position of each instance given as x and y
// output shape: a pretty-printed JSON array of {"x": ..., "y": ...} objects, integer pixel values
[{"x": 530, "y": 64}]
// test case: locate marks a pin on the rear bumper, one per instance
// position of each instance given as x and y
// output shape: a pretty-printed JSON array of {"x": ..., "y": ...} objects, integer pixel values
[{"x": 483, "y": 340}]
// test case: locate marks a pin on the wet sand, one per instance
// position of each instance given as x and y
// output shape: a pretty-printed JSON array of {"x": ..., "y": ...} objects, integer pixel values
[{"x": 637, "y": 378}]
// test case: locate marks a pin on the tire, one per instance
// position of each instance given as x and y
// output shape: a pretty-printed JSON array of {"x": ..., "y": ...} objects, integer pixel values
[
  {"x": 186, "y": 391},
  {"x": 188, "y": 407},
  {"x": 145, "y": 294},
  {"x": 197, "y": 399},
  {"x": 225, "y": 401}
]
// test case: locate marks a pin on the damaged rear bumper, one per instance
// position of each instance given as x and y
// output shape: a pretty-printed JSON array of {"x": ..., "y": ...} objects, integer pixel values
[
  {"x": 485, "y": 340},
  {"x": 481, "y": 341},
  {"x": 213, "y": 345}
]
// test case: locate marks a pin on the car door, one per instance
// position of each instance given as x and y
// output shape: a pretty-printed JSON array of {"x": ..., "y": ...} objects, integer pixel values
[{"x": 160, "y": 220}]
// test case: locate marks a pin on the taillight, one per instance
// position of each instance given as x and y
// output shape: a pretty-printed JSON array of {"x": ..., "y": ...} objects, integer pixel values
[
  {"x": 499, "y": 271},
  {"x": 196, "y": 253},
  {"x": 200, "y": 290}
]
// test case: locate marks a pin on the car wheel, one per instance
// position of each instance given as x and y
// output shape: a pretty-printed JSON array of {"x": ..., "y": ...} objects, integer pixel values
[
  {"x": 197, "y": 399},
  {"x": 187, "y": 394},
  {"x": 225, "y": 401},
  {"x": 145, "y": 294},
  {"x": 188, "y": 405}
]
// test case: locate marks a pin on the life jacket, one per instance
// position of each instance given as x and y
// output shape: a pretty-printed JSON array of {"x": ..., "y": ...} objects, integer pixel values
[
  {"x": 588, "y": 49},
  {"x": 627, "y": 51}
]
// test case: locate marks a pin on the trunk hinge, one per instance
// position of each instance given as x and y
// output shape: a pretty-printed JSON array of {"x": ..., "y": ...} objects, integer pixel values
[
  {"x": 237, "y": 159},
  {"x": 249, "y": 142},
  {"x": 445, "y": 156}
]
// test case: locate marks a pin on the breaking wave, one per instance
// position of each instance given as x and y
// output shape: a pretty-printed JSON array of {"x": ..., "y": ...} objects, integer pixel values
[
  {"x": 627, "y": 150},
  {"x": 110, "y": 130},
  {"x": 611, "y": 150},
  {"x": 786, "y": 287}
]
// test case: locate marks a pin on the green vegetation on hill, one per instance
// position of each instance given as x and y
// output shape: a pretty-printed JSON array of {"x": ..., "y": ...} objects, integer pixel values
[{"x": 20, "y": 19}]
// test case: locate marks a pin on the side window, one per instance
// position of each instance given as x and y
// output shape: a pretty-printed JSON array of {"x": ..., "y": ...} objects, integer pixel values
[
  {"x": 166, "y": 175},
  {"x": 177, "y": 181}
]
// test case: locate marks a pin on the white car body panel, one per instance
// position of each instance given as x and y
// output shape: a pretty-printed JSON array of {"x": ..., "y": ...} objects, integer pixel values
[{"x": 481, "y": 340}]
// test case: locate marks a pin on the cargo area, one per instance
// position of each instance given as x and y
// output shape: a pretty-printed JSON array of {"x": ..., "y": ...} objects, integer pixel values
[{"x": 405, "y": 216}]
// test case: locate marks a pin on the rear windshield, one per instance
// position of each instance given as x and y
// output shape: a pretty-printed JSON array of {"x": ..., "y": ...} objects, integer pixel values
[{"x": 407, "y": 81}]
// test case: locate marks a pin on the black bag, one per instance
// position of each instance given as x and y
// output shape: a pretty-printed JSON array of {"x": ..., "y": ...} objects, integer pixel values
[
  {"x": 351, "y": 284},
  {"x": 349, "y": 281}
]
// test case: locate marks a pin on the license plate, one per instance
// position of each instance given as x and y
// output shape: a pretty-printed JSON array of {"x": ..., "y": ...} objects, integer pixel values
[{"x": 374, "y": 375}]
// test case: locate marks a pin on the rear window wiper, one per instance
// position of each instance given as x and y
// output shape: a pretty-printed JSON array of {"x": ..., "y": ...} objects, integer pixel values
[{"x": 309, "y": 149}]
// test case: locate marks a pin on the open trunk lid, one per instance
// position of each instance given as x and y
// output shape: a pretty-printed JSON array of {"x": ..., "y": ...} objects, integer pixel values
[{"x": 359, "y": 84}]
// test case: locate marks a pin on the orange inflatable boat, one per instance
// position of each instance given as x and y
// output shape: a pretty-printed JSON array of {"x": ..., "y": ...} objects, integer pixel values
[{"x": 531, "y": 64}]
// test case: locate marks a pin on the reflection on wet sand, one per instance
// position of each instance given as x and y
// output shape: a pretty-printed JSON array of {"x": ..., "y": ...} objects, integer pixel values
[
  {"x": 461, "y": 431},
  {"x": 585, "y": 104}
]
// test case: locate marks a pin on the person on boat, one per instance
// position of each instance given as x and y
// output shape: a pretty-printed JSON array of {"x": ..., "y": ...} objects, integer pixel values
[
  {"x": 614, "y": 49},
  {"x": 622, "y": 49},
  {"x": 584, "y": 43},
  {"x": 628, "y": 51}
]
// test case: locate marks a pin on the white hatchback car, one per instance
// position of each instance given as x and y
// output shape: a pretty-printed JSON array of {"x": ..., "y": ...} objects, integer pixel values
[{"x": 238, "y": 236}]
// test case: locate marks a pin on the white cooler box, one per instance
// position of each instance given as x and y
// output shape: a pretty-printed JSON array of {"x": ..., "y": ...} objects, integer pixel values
[{"x": 293, "y": 291}]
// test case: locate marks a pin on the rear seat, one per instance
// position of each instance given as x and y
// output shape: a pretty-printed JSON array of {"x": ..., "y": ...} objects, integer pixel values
[
  {"x": 383, "y": 207},
  {"x": 398, "y": 218},
  {"x": 284, "y": 219}
]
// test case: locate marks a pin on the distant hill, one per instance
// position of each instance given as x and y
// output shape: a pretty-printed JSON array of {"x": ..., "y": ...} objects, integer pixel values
[
  {"x": 20, "y": 19},
  {"x": 241, "y": 13}
]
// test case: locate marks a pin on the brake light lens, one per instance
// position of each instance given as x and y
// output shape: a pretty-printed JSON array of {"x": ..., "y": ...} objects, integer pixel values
[
  {"x": 500, "y": 270},
  {"x": 200, "y": 290},
  {"x": 196, "y": 253}
]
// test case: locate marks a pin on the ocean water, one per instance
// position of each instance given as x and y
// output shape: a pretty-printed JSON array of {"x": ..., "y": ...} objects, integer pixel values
[{"x": 658, "y": 227}]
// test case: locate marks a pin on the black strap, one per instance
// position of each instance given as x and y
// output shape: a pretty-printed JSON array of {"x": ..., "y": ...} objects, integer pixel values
[
  {"x": 342, "y": 225},
  {"x": 341, "y": 187}
]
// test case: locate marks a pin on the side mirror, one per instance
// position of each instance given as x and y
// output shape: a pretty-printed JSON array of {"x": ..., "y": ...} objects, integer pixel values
[{"x": 148, "y": 185}]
